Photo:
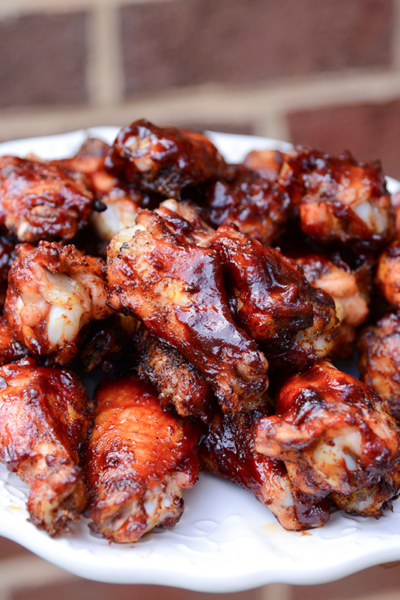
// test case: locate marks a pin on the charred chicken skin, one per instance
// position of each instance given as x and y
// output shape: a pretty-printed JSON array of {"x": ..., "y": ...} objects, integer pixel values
[
  {"x": 228, "y": 451},
  {"x": 165, "y": 159},
  {"x": 177, "y": 291},
  {"x": 10, "y": 349},
  {"x": 340, "y": 282},
  {"x": 139, "y": 458},
  {"x": 44, "y": 420},
  {"x": 379, "y": 360},
  {"x": 332, "y": 432},
  {"x": 53, "y": 292},
  {"x": 40, "y": 200},
  {"x": 185, "y": 220},
  {"x": 255, "y": 206},
  {"x": 339, "y": 200},
  {"x": 176, "y": 380}
]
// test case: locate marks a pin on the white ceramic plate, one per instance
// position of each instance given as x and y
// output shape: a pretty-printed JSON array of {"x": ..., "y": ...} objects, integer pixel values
[{"x": 226, "y": 541}]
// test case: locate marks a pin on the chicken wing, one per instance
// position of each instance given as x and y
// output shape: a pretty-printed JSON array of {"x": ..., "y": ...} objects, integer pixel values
[
  {"x": 339, "y": 199},
  {"x": 165, "y": 160},
  {"x": 53, "y": 292},
  {"x": 255, "y": 206},
  {"x": 40, "y": 200},
  {"x": 228, "y": 451},
  {"x": 139, "y": 458},
  {"x": 177, "y": 291},
  {"x": 185, "y": 220},
  {"x": 379, "y": 360},
  {"x": 10, "y": 349},
  {"x": 44, "y": 419},
  {"x": 267, "y": 163},
  {"x": 176, "y": 380},
  {"x": 351, "y": 301},
  {"x": 332, "y": 432},
  {"x": 388, "y": 274}
]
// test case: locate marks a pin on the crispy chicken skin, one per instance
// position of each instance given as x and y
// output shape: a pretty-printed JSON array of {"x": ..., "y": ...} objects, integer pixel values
[
  {"x": 340, "y": 282},
  {"x": 10, "y": 349},
  {"x": 257, "y": 207},
  {"x": 339, "y": 199},
  {"x": 7, "y": 255},
  {"x": 228, "y": 451},
  {"x": 388, "y": 274},
  {"x": 165, "y": 159},
  {"x": 40, "y": 200},
  {"x": 268, "y": 292},
  {"x": 332, "y": 432},
  {"x": 379, "y": 360},
  {"x": 139, "y": 458},
  {"x": 371, "y": 501},
  {"x": 176, "y": 380},
  {"x": 267, "y": 163},
  {"x": 177, "y": 291},
  {"x": 53, "y": 292},
  {"x": 44, "y": 420}
]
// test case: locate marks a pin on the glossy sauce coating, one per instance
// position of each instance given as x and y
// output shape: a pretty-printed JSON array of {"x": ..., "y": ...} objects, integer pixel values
[
  {"x": 177, "y": 291},
  {"x": 165, "y": 159},
  {"x": 40, "y": 200},
  {"x": 135, "y": 448},
  {"x": 44, "y": 420}
]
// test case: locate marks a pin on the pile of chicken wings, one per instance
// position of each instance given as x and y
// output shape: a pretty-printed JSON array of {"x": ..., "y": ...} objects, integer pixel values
[{"x": 214, "y": 298}]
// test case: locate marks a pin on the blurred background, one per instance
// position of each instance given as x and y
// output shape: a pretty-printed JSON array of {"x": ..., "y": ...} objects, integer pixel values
[{"x": 325, "y": 73}]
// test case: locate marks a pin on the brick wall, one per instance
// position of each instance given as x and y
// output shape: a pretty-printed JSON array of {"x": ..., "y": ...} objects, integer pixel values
[{"x": 319, "y": 72}]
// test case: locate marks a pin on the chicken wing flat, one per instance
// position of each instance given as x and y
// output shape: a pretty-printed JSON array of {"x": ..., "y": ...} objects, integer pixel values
[
  {"x": 331, "y": 431},
  {"x": 165, "y": 159},
  {"x": 176, "y": 380},
  {"x": 254, "y": 205},
  {"x": 53, "y": 292},
  {"x": 40, "y": 200},
  {"x": 339, "y": 199},
  {"x": 379, "y": 360},
  {"x": 44, "y": 419},
  {"x": 267, "y": 163},
  {"x": 351, "y": 301},
  {"x": 388, "y": 274},
  {"x": 177, "y": 291},
  {"x": 228, "y": 451},
  {"x": 139, "y": 458},
  {"x": 268, "y": 292}
]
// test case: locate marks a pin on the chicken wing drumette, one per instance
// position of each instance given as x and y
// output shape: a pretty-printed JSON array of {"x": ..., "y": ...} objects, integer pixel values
[
  {"x": 139, "y": 458},
  {"x": 165, "y": 159},
  {"x": 44, "y": 419},
  {"x": 339, "y": 199},
  {"x": 351, "y": 300},
  {"x": 40, "y": 200},
  {"x": 271, "y": 299},
  {"x": 175, "y": 379},
  {"x": 332, "y": 432},
  {"x": 257, "y": 207},
  {"x": 228, "y": 451},
  {"x": 53, "y": 292},
  {"x": 176, "y": 289},
  {"x": 379, "y": 360}
]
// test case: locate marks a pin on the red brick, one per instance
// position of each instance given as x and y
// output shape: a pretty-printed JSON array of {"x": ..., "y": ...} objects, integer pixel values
[
  {"x": 185, "y": 42},
  {"x": 43, "y": 59},
  {"x": 81, "y": 589},
  {"x": 369, "y": 131}
]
